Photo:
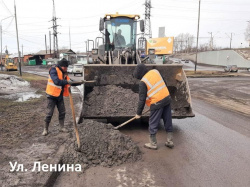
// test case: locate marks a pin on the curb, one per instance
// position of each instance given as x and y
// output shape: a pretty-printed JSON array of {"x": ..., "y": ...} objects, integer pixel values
[{"x": 209, "y": 76}]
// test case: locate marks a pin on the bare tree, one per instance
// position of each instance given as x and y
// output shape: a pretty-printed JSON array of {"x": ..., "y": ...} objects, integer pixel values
[
  {"x": 183, "y": 42},
  {"x": 204, "y": 47}
]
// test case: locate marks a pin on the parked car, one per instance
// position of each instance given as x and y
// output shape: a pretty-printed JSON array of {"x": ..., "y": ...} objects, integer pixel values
[
  {"x": 177, "y": 61},
  {"x": 186, "y": 61},
  {"x": 231, "y": 68},
  {"x": 78, "y": 69},
  {"x": 70, "y": 69}
]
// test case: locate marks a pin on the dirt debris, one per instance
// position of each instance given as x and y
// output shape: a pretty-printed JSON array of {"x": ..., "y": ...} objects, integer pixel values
[
  {"x": 111, "y": 101},
  {"x": 101, "y": 145}
]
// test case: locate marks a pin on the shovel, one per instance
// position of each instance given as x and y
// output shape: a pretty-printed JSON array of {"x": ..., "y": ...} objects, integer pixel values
[
  {"x": 73, "y": 110},
  {"x": 132, "y": 119},
  {"x": 74, "y": 118}
]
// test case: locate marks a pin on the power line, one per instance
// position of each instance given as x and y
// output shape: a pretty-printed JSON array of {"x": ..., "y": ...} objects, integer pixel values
[{"x": 7, "y": 8}]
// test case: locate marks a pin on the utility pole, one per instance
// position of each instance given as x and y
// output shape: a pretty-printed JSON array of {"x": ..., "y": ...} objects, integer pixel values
[
  {"x": 1, "y": 35},
  {"x": 147, "y": 23},
  {"x": 197, "y": 36},
  {"x": 49, "y": 43},
  {"x": 86, "y": 46},
  {"x": 55, "y": 31},
  {"x": 211, "y": 40},
  {"x": 187, "y": 45},
  {"x": 45, "y": 44},
  {"x": 231, "y": 38},
  {"x": 19, "y": 62},
  {"x": 69, "y": 39},
  {"x": 22, "y": 52},
  {"x": 1, "y": 46}
]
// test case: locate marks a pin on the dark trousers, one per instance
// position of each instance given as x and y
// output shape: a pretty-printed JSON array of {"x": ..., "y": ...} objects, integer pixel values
[
  {"x": 52, "y": 102},
  {"x": 155, "y": 117}
]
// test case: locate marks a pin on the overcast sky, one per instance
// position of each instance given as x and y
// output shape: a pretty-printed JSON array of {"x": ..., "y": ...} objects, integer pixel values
[{"x": 221, "y": 17}]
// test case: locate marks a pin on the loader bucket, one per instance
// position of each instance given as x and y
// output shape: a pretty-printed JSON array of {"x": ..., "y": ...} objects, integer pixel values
[{"x": 114, "y": 96}]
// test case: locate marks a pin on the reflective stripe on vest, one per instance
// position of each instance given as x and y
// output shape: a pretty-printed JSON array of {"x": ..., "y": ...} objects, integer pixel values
[
  {"x": 55, "y": 90},
  {"x": 157, "y": 89},
  {"x": 52, "y": 83}
]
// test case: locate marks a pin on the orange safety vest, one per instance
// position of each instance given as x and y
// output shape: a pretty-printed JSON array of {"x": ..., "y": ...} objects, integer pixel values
[
  {"x": 157, "y": 89},
  {"x": 55, "y": 90}
]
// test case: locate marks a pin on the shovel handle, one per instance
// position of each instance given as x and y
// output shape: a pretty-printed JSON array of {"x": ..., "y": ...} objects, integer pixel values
[
  {"x": 132, "y": 119},
  {"x": 74, "y": 118}
]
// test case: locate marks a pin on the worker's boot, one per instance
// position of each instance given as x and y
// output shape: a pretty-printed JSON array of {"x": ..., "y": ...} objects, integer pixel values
[
  {"x": 45, "y": 130},
  {"x": 62, "y": 128},
  {"x": 152, "y": 142},
  {"x": 169, "y": 143}
]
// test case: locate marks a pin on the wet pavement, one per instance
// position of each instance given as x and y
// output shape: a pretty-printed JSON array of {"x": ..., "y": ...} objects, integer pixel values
[
  {"x": 211, "y": 149},
  {"x": 207, "y": 153},
  {"x": 232, "y": 93}
]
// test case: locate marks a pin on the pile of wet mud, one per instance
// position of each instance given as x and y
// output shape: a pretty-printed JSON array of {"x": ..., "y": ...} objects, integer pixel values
[
  {"x": 101, "y": 145},
  {"x": 110, "y": 101}
]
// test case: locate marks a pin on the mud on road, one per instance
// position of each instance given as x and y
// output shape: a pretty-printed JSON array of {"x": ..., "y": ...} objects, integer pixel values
[
  {"x": 101, "y": 145},
  {"x": 21, "y": 126}
]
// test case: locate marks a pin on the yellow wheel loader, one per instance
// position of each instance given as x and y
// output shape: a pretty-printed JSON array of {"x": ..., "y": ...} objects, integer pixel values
[
  {"x": 9, "y": 64},
  {"x": 114, "y": 95}
]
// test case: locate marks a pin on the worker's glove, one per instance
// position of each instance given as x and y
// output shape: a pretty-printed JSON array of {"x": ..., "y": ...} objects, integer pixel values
[{"x": 137, "y": 116}]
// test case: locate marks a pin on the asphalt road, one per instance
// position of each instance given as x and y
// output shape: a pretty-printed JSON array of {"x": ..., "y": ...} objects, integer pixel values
[
  {"x": 211, "y": 149},
  {"x": 191, "y": 65}
]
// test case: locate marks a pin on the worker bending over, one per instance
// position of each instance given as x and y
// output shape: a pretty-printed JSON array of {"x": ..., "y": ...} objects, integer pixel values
[{"x": 154, "y": 92}]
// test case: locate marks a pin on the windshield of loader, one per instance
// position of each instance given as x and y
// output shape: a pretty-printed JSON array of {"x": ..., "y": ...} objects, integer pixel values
[{"x": 120, "y": 33}]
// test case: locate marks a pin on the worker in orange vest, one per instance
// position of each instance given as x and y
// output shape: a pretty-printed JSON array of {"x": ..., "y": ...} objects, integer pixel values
[
  {"x": 57, "y": 88},
  {"x": 154, "y": 92}
]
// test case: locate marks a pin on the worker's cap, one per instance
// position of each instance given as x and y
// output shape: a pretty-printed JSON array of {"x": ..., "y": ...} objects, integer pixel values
[{"x": 63, "y": 63}]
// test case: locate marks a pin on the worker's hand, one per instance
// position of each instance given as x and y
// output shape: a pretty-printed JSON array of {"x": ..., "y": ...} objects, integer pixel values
[
  {"x": 137, "y": 116},
  {"x": 73, "y": 83},
  {"x": 70, "y": 82}
]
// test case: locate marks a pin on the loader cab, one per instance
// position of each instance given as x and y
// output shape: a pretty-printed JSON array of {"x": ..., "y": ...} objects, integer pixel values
[
  {"x": 120, "y": 32},
  {"x": 119, "y": 39}
]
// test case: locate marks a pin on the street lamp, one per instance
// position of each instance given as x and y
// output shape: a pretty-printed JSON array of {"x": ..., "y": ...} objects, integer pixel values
[{"x": 1, "y": 35}]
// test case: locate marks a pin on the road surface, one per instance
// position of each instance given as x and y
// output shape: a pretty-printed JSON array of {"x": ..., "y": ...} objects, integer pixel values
[{"x": 211, "y": 149}]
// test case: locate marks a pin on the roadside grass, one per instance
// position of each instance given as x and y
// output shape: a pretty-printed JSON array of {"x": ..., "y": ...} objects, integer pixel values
[{"x": 26, "y": 76}]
